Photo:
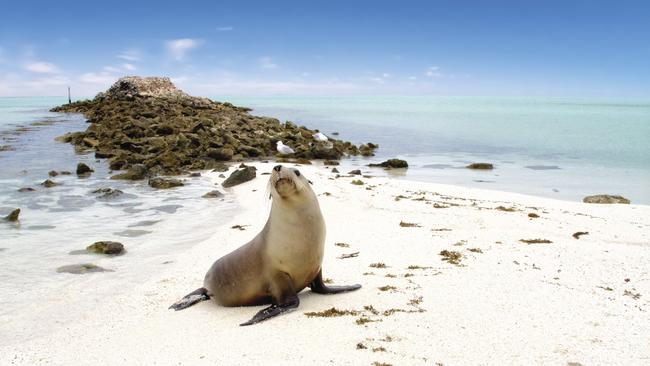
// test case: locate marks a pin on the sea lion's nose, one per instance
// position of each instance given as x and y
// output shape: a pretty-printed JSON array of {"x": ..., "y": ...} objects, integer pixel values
[{"x": 277, "y": 168}]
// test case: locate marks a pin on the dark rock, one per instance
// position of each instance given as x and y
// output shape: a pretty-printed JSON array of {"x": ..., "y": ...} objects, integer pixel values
[
  {"x": 83, "y": 169},
  {"x": 26, "y": 189},
  {"x": 606, "y": 199},
  {"x": 392, "y": 163},
  {"x": 240, "y": 176},
  {"x": 213, "y": 194},
  {"x": 106, "y": 247},
  {"x": 195, "y": 174},
  {"x": 164, "y": 183},
  {"x": 48, "y": 183},
  {"x": 221, "y": 176},
  {"x": 482, "y": 166},
  {"x": 136, "y": 172},
  {"x": 65, "y": 172},
  {"x": 81, "y": 268},
  {"x": 355, "y": 172},
  {"x": 334, "y": 170},
  {"x": 331, "y": 162},
  {"x": 13, "y": 216},
  {"x": 220, "y": 154},
  {"x": 107, "y": 193},
  {"x": 53, "y": 173}
]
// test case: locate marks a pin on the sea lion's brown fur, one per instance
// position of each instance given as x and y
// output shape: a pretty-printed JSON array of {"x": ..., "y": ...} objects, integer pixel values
[{"x": 283, "y": 259}]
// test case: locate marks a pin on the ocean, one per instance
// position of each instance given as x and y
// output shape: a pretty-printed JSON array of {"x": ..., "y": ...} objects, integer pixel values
[
  {"x": 559, "y": 148},
  {"x": 552, "y": 147}
]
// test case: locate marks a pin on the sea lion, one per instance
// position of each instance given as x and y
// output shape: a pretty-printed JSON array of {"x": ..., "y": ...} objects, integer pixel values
[{"x": 282, "y": 260}]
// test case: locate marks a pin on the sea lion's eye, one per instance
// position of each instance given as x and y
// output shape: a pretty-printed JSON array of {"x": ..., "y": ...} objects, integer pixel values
[{"x": 297, "y": 173}]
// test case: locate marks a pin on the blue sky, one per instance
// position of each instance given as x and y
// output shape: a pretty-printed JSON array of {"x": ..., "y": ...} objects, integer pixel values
[{"x": 505, "y": 48}]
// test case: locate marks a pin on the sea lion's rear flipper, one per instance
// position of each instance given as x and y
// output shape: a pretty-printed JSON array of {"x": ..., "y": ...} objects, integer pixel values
[
  {"x": 284, "y": 297},
  {"x": 319, "y": 287},
  {"x": 196, "y": 296}
]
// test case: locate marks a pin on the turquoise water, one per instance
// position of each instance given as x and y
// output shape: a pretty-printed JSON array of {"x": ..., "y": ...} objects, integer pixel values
[
  {"x": 554, "y": 147},
  {"x": 551, "y": 147}
]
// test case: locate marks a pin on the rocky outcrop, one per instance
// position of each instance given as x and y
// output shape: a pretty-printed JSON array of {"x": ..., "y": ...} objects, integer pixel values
[
  {"x": 148, "y": 121},
  {"x": 606, "y": 198},
  {"x": 213, "y": 194},
  {"x": 83, "y": 169},
  {"x": 240, "y": 176}
]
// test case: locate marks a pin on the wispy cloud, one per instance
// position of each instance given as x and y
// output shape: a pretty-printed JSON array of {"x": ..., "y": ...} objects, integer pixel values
[
  {"x": 178, "y": 48},
  {"x": 225, "y": 29},
  {"x": 266, "y": 62},
  {"x": 128, "y": 67},
  {"x": 130, "y": 55},
  {"x": 433, "y": 72},
  {"x": 102, "y": 77},
  {"x": 41, "y": 67}
]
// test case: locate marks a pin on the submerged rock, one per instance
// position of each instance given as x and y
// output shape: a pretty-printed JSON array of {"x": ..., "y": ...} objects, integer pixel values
[
  {"x": 53, "y": 173},
  {"x": 13, "y": 215},
  {"x": 355, "y": 172},
  {"x": 107, "y": 193},
  {"x": 26, "y": 189},
  {"x": 83, "y": 169},
  {"x": 606, "y": 199},
  {"x": 81, "y": 268},
  {"x": 392, "y": 163},
  {"x": 106, "y": 247},
  {"x": 240, "y": 176},
  {"x": 48, "y": 183},
  {"x": 164, "y": 183},
  {"x": 213, "y": 194},
  {"x": 136, "y": 172},
  {"x": 483, "y": 166}
]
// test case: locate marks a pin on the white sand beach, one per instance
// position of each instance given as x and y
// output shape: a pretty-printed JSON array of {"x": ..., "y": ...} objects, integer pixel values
[{"x": 572, "y": 301}]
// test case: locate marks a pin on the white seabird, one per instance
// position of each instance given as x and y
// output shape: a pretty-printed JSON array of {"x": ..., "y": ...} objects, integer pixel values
[
  {"x": 284, "y": 149},
  {"x": 320, "y": 137}
]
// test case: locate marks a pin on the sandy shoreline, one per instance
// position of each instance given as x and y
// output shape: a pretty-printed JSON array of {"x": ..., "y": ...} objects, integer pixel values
[{"x": 573, "y": 300}]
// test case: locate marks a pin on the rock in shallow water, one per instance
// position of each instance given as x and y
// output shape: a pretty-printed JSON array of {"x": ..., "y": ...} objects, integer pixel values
[
  {"x": 240, "y": 176},
  {"x": 482, "y": 166},
  {"x": 106, "y": 247},
  {"x": 136, "y": 172},
  {"x": 213, "y": 194},
  {"x": 83, "y": 169},
  {"x": 13, "y": 216},
  {"x": 48, "y": 183},
  {"x": 107, "y": 193},
  {"x": 164, "y": 183},
  {"x": 606, "y": 198},
  {"x": 26, "y": 189},
  {"x": 81, "y": 268},
  {"x": 392, "y": 163}
]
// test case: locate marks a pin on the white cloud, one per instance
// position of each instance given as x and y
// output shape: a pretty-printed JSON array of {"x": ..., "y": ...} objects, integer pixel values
[
  {"x": 412, "y": 78},
  {"x": 385, "y": 75},
  {"x": 128, "y": 67},
  {"x": 130, "y": 55},
  {"x": 41, "y": 67},
  {"x": 377, "y": 80},
  {"x": 432, "y": 72},
  {"x": 266, "y": 62},
  {"x": 111, "y": 69},
  {"x": 257, "y": 87},
  {"x": 225, "y": 29},
  {"x": 178, "y": 48},
  {"x": 56, "y": 80},
  {"x": 97, "y": 78},
  {"x": 179, "y": 79}
]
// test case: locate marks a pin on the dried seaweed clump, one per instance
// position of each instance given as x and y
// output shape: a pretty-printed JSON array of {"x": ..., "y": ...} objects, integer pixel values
[
  {"x": 378, "y": 265},
  {"x": 331, "y": 313},
  {"x": 408, "y": 224},
  {"x": 535, "y": 241},
  {"x": 451, "y": 256}
]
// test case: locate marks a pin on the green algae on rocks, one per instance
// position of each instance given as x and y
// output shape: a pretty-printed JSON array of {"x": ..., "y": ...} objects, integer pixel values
[{"x": 149, "y": 121}]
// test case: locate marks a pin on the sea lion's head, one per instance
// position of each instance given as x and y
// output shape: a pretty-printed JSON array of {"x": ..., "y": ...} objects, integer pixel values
[{"x": 287, "y": 182}]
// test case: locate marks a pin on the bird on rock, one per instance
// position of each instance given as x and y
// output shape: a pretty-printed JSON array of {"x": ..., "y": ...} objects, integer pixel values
[{"x": 284, "y": 149}]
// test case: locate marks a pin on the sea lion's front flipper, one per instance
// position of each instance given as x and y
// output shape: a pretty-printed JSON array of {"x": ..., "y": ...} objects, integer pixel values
[
  {"x": 319, "y": 287},
  {"x": 284, "y": 297},
  {"x": 190, "y": 299}
]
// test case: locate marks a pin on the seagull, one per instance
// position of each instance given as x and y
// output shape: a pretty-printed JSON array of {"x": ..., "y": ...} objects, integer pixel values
[
  {"x": 284, "y": 149},
  {"x": 320, "y": 137}
]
